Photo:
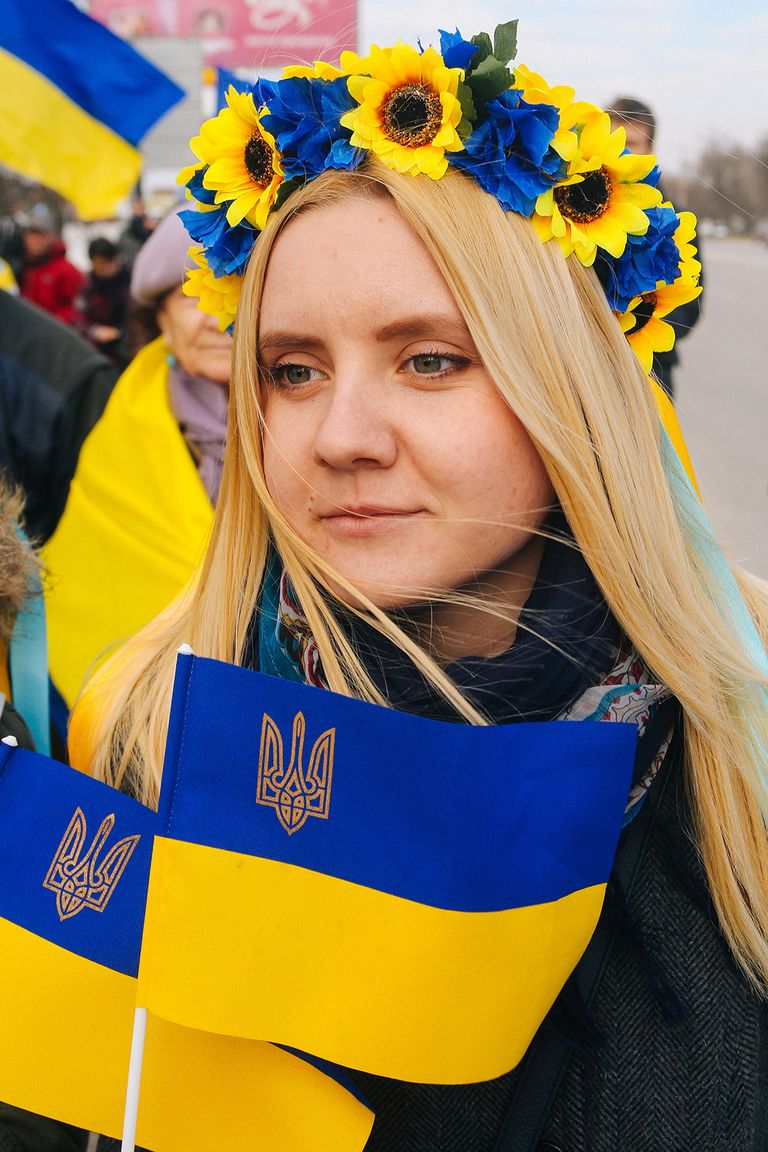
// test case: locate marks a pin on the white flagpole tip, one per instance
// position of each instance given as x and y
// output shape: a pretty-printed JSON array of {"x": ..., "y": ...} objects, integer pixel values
[
  {"x": 11, "y": 741},
  {"x": 130, "y": 1115},
  {"x": 184, "y": 650}
]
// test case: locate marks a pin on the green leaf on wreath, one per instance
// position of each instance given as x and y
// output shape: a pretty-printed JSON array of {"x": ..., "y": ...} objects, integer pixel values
[
  {"x": 483, "y": 41},
  {"x": 489, "y": 80},
  {"x": 468, "y": 114},
  {"x": 505, "y": 41}
]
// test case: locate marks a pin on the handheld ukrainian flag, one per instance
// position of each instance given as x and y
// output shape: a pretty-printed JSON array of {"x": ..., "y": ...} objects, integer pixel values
[
  {"x": 394, "y": 894},
  {"x": 74, "y": 866},
  {"x": 75, "y": 101}
]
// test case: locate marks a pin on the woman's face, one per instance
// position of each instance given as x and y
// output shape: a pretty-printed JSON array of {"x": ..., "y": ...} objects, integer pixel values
[
  {"x": 387, "y": 446},
  {"x": 194, "y": 338}
]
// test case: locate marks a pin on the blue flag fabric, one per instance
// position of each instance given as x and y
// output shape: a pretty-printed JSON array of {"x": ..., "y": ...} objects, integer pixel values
[
  {"x": 75, "y": 859},
  {"x": 387, "y": 892},
  {"x": 224, "y": 81}
]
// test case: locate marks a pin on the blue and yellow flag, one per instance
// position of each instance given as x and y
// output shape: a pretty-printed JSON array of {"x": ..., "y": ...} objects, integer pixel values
[
  {"x": 135, "y": 525},
  {"x": 75, "y": 101},
  {"x": 74, "y": 866},
  {"x": 394, "y": 894}
]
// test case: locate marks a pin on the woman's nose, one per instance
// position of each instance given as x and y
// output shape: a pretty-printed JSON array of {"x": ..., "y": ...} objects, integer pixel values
[{"x": 355, "y": 429}]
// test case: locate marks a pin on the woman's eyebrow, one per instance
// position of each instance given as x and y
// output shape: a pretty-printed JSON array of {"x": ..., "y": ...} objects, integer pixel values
[
  {"x": 277, "y": 339},
  {"x": 429, "y": 324},
  {"x": 432, "y": 324}
]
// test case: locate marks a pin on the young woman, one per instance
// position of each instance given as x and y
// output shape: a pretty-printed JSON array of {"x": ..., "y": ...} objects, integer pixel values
[{"x": 447, "y": 490}]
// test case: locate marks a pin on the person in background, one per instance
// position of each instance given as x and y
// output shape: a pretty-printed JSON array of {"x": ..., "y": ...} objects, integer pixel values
[
  {"x": 21, "y": 1131},
  {"x": 141, "y": 503},
  {"x": 18, "y": 571},
  {"x": 136, "y": 232},
  {"x": 639, "y": 124},
  {"x": 53, "y": 388},
  {"x": 12, "y": 244},
  {"x": 105, "y": 300},
  {"x": 48, "y": 278}
]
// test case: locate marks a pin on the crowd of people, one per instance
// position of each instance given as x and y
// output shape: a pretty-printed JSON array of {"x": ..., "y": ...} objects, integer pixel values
[
  {"x": 35, "y": 265},
  {"x": 429, "y": 472}
]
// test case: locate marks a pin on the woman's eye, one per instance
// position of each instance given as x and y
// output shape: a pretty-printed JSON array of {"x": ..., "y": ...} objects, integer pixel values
[
  {"x": 434, "y": 364},
  {"x": 293, "y": 375}
]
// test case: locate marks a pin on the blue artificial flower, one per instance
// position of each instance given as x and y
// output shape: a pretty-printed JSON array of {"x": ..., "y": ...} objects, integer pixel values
[
  {"x": 263, "y": 91},
  {"x": 646, "y": 260},
  {"x": 653, "y": 177},
  {"x": 197, "y": 188},
  {"x": 226, "y": 248},
  {"x": 455, "y": 50},
  {"x": 336, "y": 100},
  {"x": 303, "y": 116},
  {"x": 509, "y": 154}
]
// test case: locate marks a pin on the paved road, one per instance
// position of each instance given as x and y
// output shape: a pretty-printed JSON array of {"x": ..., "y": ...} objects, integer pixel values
[{"x": 722, "y": 390}]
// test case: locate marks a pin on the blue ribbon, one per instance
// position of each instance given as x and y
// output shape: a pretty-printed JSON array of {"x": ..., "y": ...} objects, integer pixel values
[
  {"x": 731, "y": 602},
  {"x": 28, "y": 666}
]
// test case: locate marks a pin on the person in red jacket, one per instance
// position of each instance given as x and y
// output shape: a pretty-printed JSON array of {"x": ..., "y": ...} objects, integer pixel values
[{"x": 48, "y": 279}]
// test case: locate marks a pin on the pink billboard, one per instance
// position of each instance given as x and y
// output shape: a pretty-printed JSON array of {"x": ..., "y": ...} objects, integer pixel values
[{"x": 241, "y": 33}]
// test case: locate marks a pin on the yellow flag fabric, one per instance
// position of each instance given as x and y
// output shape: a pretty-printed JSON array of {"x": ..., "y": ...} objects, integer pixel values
[
  {"x": 136, "y": 523},
  {"x": 668, "y": 418},
  {"x": 5, "y": 682},
  {"x": 74, "y": 869},
  {"x": 66, "y": 1038},
  {"x": 7, "y": 278},
  {"x": 426, "y": 1021}
]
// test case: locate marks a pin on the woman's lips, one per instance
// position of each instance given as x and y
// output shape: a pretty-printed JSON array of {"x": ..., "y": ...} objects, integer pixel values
[{"x": 364, "y": 520}]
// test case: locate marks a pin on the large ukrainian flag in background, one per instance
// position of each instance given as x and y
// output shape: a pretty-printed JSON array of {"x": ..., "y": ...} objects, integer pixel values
[
  {"x": 75, "y": 101},
  {"x": 394, "y": 894},
  {"x": 74, "y": 864}
]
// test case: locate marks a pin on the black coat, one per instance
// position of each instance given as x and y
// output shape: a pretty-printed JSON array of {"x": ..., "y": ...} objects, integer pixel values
[{"x": 53, "y": 389}]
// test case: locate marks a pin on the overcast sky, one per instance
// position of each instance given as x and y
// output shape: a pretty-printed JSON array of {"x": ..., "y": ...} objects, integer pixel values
[{"x": 697, "y": 63}]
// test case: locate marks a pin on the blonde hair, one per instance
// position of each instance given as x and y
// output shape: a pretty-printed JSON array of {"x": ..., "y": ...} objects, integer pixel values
[{"x": 546, "y": 335}]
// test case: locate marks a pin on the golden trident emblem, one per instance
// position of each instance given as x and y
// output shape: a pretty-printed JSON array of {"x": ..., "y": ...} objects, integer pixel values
[
  {"x": 295, "y": 794},
  {"x": 84, "y": 881}
]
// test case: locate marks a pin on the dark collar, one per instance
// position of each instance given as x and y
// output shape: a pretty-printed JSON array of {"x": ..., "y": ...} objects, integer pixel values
[{"x": 566, "y": 642}]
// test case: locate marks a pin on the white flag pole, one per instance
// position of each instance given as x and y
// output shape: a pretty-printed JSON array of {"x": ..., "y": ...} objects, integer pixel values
[
  {"x": 134, "y": 1081},
  {"x": 131, "y": 1113}
]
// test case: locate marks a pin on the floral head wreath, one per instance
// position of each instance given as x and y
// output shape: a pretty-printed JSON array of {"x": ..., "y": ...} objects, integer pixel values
[{"x": 540, "y": 152}]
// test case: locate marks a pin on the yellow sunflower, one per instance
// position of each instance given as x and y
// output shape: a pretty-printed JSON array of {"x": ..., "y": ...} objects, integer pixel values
[
  {"x": 217, "y": 295},
  {"x": 602, "y": 198},
  {"x": 317, "y": 71},
  {"x": 690, "y": 267},
  {"x": 573, "y": 114},
  {"x": 643, "y": 323},
  {"x": 243, "y": 164},
  {"x": 408, "y": 110}
]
